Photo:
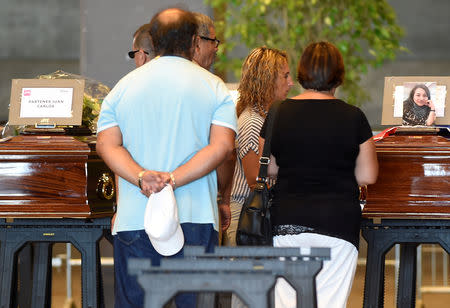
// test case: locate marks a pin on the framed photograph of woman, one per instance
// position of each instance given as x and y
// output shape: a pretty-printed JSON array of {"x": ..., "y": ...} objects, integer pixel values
[{"x": 415, "y": 101}]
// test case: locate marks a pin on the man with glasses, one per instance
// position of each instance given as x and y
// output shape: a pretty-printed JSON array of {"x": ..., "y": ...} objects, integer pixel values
[
  {"x": 142, "y": 46},
  {"x": 142, "y": 52},
  {"x": 207, "y": 46},
  {"x": 204, "y": 55}
]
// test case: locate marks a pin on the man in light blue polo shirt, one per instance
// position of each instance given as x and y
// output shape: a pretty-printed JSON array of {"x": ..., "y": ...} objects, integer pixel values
[{"x": 168, "y": 121}]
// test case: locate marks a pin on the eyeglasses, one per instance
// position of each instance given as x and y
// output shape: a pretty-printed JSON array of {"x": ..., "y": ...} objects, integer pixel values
[
  {"x": 131, "y": 53},
  {"x": 211, "y": 39}
]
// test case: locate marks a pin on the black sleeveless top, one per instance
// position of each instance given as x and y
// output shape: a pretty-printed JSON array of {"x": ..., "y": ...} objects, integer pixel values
[{"x": 316, "y": 143}]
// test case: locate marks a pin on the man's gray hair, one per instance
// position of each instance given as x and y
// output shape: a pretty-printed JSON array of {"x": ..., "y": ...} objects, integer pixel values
[{"x": 204, "y": 24}]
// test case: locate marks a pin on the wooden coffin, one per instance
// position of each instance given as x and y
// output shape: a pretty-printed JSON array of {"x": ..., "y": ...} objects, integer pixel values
[
  {"x": 54, "y": 176},
  {"x": 413, "y": 180}
]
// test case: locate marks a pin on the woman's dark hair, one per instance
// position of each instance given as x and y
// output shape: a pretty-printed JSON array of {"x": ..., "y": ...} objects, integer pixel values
[
  {"x": 321, "y": 67},
  {"x": 173, "y": 35},
  {"x": 422, "y": 86}
]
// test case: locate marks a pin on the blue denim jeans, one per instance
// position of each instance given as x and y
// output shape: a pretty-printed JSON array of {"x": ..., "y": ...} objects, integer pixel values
[{"x": 136, "y": 244}]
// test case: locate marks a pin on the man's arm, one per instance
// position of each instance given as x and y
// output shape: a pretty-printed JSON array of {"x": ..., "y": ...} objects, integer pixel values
[
  {"x": 119, "y": 160},
  {"x": 225, "y": 174},
  {"x": 110, "y": 148},
  {"x": 221, "y": 145}
]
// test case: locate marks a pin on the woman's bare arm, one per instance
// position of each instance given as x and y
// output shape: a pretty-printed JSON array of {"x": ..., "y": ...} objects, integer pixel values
[{"x": 366, "y": 169}]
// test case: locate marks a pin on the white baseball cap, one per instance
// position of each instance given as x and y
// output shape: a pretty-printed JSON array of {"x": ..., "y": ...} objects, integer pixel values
[{"x": 162, "y": 224}]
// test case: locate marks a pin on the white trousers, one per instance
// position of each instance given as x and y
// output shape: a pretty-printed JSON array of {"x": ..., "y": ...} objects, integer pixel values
[{"x": 334, "y": 281}]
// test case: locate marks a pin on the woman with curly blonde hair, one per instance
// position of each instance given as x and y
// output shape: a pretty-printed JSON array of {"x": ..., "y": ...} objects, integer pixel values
[{"x": 265, "y": 79}]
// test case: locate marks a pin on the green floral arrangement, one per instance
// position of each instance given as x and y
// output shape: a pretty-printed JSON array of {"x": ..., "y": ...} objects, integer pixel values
[{"x": 91, "y": 111}]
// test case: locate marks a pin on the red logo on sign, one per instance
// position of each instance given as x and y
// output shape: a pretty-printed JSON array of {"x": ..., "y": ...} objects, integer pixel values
[{"x": 26, "y": 92}]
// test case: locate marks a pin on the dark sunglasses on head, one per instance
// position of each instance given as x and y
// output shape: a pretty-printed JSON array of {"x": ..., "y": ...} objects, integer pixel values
[
  {"x": 131, "y": 53},
  {"x": 211, "y": 39}
]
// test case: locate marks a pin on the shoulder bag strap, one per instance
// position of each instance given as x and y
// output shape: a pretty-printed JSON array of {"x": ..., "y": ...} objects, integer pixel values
[{"x": 265, "y": 157}]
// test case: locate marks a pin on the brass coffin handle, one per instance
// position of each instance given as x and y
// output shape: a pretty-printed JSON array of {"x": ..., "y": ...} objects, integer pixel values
[{"x": 105, "y": 187}]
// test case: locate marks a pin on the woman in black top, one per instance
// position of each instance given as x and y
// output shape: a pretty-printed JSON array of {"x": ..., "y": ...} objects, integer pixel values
[
  {"x": 319, "y": 165},
  {"x": 418, "y": 109}
]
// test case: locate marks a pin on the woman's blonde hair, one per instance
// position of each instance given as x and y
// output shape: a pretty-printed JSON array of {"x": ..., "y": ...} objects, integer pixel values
[{"x": 259, "y": 73}]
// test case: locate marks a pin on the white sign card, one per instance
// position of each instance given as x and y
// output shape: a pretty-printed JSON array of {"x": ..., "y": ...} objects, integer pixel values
[{"x": 46, "y": 102}]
